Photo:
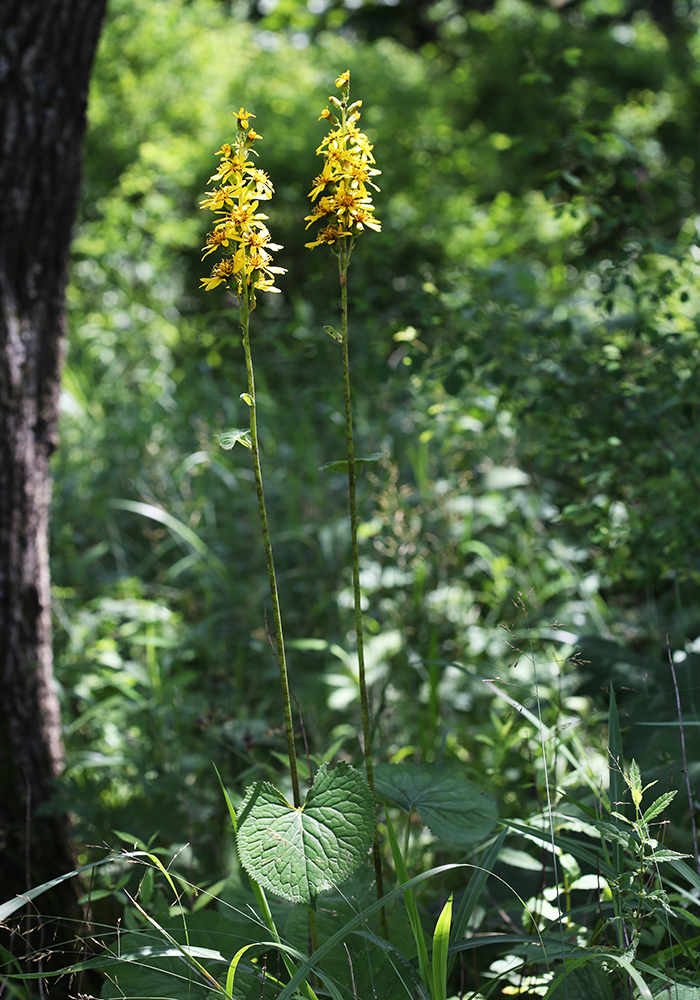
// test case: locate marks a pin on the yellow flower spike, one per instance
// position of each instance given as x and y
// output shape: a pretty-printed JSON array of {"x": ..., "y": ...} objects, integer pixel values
[
  {"x": 241, "y": 187},
  {"x": 345, "y": 206},
  {"x": 341, "y": 189}
]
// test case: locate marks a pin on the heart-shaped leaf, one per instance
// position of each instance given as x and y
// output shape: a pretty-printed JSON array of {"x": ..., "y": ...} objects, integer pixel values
[
  {"x": 297, "y": 853},
  {"x": 452, "y": 807}
]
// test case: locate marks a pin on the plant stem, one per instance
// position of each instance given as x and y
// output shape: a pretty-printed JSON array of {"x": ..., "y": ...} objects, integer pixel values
[
  {"x": 313, "y": 932},
  {"x": 685, "y": 758},
  {"x": 343, "y": 260},
  {"x": 245, "y": 310}
]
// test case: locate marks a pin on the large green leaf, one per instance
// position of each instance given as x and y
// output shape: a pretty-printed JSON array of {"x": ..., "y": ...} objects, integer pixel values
[
  {"x": 298, "y": 853},
  {"x": 679, "y": 991},
  {"x": 584, "y": 982},
  {"x": 451, "y": 806}
]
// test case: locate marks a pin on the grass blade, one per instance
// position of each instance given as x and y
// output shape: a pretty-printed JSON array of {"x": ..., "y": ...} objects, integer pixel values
[
  {"x": 411, "y": 908},
  {"x": 441, "y": 941},
  {"x": 474, "y": 889}
]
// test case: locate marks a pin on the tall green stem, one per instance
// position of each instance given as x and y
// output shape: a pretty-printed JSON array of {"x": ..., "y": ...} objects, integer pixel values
[
  {"x": 343, "y": 260},
  {"x": 245, "y": 309}
]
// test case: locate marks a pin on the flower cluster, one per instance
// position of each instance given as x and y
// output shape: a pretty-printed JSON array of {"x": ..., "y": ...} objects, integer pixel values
[
  {"x": 241, "y": 229},
  {"x": 341, "y": 189}
]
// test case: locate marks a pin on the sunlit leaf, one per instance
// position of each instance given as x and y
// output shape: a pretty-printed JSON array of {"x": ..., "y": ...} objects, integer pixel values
[{"x": 298, "y": 853}]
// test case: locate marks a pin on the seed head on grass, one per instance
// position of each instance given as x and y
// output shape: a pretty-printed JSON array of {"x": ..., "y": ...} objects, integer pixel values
[
  {"x": 342, "y": 191},
  {"x": 241, "y": 232}
]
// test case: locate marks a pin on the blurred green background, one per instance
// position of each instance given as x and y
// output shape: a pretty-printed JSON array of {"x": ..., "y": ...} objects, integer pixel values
[{"x": 524, "y": 341}]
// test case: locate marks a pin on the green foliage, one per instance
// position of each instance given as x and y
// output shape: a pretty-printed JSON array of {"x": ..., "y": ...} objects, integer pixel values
[{"x": 524, "y": 369}]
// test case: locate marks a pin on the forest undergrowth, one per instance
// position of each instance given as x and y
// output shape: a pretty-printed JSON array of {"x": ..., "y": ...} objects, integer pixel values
[{"x": 377, "y": 635}]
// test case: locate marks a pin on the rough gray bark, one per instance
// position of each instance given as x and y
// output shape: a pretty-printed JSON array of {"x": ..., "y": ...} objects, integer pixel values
[{"x": 46, "y": 53}]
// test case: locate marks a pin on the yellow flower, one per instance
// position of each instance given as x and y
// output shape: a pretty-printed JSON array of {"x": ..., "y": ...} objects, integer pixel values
[
  {"x": 341, "y": 189},
  {"x": 362, "y": 218},
  {"x": 319, "y": 185},
  {"x": 243, "y": 117},
  {"x": 263, "y": 188},
  {"x": 259, "y": 239},
  {"x": 241, "y": 187},
  {"x": 331, "y": 234},
  {"x": 215, "y": 241},
  {"x": 216, "y": 200},
  {"x": 220, "y": 272},
  {"x": 240, "y": 217},
  {"x": 231, "y": 166}
]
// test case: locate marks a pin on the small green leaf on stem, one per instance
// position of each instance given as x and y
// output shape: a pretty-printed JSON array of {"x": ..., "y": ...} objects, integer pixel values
[
  {"x": 247, "y": 398},
  {"x": 657, "y": 807},
  {"x": 227, "y": 439},
  {"x": 332, "y": 332}
]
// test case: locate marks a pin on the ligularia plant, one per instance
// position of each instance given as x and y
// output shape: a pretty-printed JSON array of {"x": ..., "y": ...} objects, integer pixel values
[
  {"x": 343, "y": 196},
  {"x": 242, "y": 233}
]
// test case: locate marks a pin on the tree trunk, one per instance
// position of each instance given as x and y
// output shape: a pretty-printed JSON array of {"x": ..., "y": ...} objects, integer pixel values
[{"x": 46, "y": 53}]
